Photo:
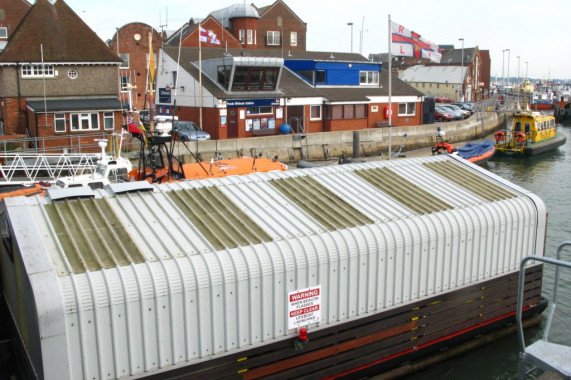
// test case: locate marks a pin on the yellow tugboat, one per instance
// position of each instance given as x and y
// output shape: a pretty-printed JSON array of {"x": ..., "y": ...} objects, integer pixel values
[{"x": 531, "y": 133}]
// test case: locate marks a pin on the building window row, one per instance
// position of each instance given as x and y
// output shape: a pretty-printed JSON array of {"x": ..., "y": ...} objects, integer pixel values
[
  {"x": 254, "y": 78},
  {"x": 346, "y": 111},
  {"x": 273, "y": 38},
  {"x": 38, "y": 71},
  {"x": 369, "y": 77},
  {"x": 85, "y": 121}
]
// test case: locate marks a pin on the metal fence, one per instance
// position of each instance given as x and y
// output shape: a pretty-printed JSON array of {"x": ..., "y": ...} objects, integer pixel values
[{"x": 72, "y": 144}]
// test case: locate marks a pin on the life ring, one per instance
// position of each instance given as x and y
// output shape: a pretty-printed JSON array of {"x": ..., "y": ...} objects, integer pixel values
[
  {"x": 519, "y": 137},
  {"x": 499, "y": 136}
]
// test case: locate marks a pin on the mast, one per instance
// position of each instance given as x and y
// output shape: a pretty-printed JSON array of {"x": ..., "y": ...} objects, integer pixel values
[{"x": 390, "y": 85}]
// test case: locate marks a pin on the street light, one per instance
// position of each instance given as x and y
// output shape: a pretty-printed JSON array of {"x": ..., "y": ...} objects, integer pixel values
[
  {"x": 461, "y": 69},
  {"x": 351, "y": 25},
  {"x": 525, "y": 69},
  {"x": 503, "y": 59},
  {"x": 518, "y": 59},
  {"x": 508, "y": 66}
]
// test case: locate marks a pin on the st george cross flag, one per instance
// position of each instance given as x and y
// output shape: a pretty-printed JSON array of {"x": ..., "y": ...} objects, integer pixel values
[
  {"x": 208, "y": 36},
  {"x": 411, "y": 44}
]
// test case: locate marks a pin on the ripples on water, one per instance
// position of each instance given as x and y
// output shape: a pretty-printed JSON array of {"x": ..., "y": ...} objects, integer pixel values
[{"x": 548, "y": 176}]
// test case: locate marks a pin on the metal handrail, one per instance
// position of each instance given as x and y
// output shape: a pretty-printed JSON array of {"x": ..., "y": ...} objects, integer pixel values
[{"x": 558, "y": 263}]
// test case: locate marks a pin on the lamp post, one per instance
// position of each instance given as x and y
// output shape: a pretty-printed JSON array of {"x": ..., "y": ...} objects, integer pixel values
[
  {"x": 518, "y": 60},
  {"x": 461, "y": 91},
  {"x": 508, "y": 66},
  {"x": 525, "y": 69},
  {"x": 503, "y": 59},
  {"x": 351, "y": 25}
]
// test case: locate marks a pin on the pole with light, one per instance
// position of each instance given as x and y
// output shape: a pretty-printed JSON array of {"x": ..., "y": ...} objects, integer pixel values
[
  {"x": 503, "y": 59},
  {"x": 509, "y": 52},
  {"x": 526, "y": 67},
  {"x": 460, "y": 91},
  {"x": 518, "y": 60},
  {"x": 351, "y": 25}
]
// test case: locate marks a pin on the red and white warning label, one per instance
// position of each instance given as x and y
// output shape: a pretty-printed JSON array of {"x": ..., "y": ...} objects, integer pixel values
[{"x": 304, "y": 307}]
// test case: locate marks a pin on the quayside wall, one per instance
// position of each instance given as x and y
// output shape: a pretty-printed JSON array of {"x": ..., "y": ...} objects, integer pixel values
[{"x": 319, "y": 146}]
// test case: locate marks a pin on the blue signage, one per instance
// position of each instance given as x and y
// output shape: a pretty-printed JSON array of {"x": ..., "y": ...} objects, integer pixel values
[
  {"x": 164, "y": 95},
  {"x": 252, "y": 102}
]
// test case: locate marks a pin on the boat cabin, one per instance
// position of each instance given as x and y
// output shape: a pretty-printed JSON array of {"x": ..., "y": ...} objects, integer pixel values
[{"x": 535, "y": 126}]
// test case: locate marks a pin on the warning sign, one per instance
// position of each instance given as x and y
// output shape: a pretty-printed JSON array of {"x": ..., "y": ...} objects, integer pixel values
[{"x": 304, "y": 307}]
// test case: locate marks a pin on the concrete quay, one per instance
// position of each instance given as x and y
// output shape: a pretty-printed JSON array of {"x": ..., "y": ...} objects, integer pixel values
[{"x": 329, "y": 145}]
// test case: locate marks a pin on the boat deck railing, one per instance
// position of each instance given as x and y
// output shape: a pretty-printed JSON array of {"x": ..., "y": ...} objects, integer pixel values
[{"x": 543, "y": 355}]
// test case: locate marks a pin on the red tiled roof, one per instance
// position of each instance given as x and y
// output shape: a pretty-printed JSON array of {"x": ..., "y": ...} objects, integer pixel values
[{"x": 60, "y": 32}]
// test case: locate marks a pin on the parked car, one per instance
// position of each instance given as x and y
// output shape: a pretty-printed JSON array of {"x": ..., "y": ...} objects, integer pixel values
[
  {"x": 189, "y": 131},
  {"x": 465, "y": 107},
  {"x": 457, "y": 115},
  {"x": 443, "y": 99},
  {"x": 441, "y": 114},
  {"x": 465, "y": 114}
]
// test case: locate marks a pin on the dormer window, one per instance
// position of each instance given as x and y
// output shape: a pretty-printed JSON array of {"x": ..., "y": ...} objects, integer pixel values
[{"x": 38, "y": 71}]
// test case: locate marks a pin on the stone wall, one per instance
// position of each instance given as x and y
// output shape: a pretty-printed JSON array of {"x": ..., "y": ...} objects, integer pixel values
[{"x": 319, "y": 146}]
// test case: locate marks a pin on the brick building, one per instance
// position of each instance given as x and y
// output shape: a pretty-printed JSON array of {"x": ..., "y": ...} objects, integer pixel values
[
  {"x": 58, "y": 81},
  {"x": 275, "y": 27},
  {"x": 11, "y": 13},
  {"x": 249, "y": 93},
  {"x": 131, "y": 43}
]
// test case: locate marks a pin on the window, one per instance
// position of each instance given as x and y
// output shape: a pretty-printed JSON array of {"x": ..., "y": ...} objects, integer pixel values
[
  {"x": 407, "y": 109},
  {"x": 72, "y": 73},
  {"x": 315, "y": 112},
  {"x": 255, "y": 78},
  {"x": 260, "y": 110},
  {"x": 347, "y": 111},
  {"x": 84, "y": 121},
  {"x": 273, "y": 38},
  {"x": 59, "y": 122},
  {"x": 293, "y": 39},
  {"x": 224, "y": 75},
  {"x": 242, "y": 36},
  {"x": 3, "y": 32},
  {"x": 369, "y": 77},
  {"x": 250, "y": 37},
  {"x": 320, "y": 78},
  {"x": 38, "y": 71},
  {"x": 108, "y": 121},
  {"x": 125, "y": 83},
  {"x": 125, "y": 58}
]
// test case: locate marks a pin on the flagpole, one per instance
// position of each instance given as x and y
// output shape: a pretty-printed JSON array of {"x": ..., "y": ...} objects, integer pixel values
[
  {"x": 390, "y": 85},
  {"x": 200, "y": 71}
]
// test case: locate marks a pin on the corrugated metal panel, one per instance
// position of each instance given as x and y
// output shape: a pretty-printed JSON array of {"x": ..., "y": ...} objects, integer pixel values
[
  {"x": 91, "y": 236},
  {"x": 404, "y": 191},
  {"x": 321, "y": 203},
  {"x": 470, "y": 181},
  {"x": 218, "y": 219},
  {"x": 193, "y": 297}
]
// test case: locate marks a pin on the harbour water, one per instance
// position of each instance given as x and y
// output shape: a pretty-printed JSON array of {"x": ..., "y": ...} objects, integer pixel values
[{"x": 549, "y": 176}]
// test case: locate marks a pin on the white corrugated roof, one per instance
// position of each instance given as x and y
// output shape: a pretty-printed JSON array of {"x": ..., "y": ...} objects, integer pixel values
[{"x": 137, "y": 281}]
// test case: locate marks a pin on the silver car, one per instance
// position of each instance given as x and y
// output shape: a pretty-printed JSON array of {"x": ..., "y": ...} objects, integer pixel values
[{"x": 189, "y": 131}]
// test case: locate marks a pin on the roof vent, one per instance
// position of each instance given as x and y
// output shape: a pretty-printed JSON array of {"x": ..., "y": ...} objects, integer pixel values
[{"x": 128, "y": 187}]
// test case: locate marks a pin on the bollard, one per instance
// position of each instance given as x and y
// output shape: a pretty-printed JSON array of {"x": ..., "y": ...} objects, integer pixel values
[{"x": 355, "y": 144}]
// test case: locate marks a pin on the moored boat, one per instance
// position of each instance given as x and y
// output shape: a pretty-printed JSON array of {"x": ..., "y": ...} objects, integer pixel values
[
  {"x": 477, "y": 152},
  {"x": 531, "y": 133}
]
